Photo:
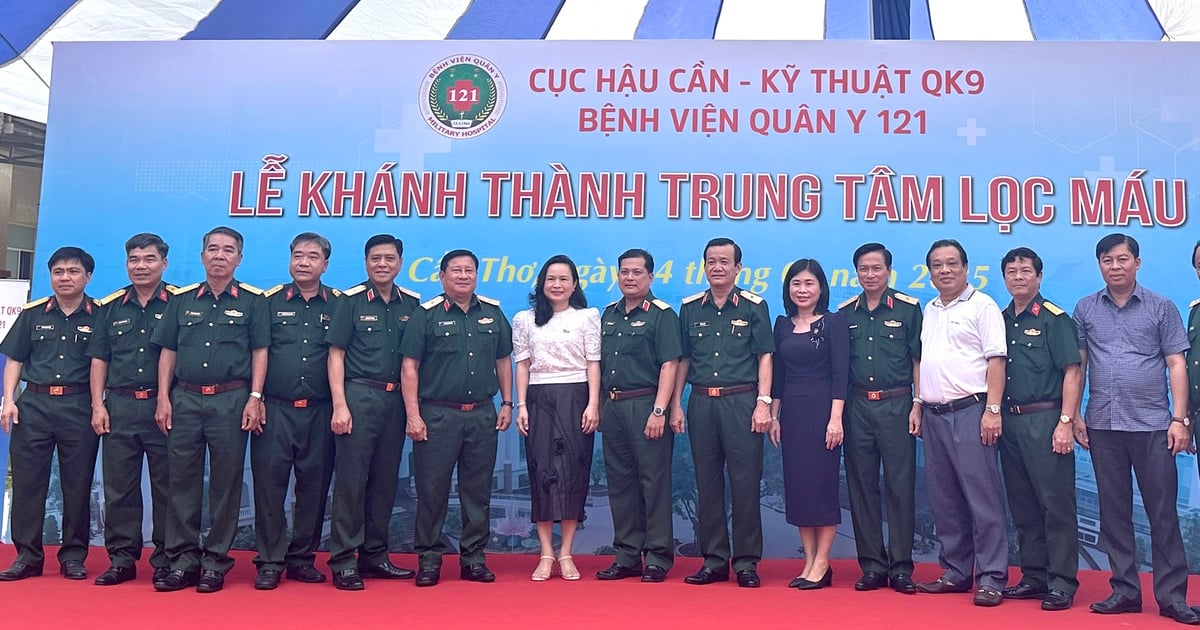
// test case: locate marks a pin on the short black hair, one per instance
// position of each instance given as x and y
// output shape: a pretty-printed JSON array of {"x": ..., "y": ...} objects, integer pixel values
[
  {"x": 383, "y": 239},
  {"x": 722, "y": 241},
  {"x": 312, "y": 237},
  {"x": 869, "y": 248},
  {"x": 1112, "y": 241},
  {"x": 455, "y": 253},
  {"x": 147, "y": 239},
  {"x": 227, "y": 231},
  {"x": 812, "y": 266},
  {"x": 946, "y": 242},
  {"x": 1022, "y": 252},
  {"x": 637, "y": 253},
  {"x": 72, "y": 253}
]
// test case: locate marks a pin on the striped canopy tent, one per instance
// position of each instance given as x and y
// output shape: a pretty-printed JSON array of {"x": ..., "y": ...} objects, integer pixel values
[{"x": 29, "y": 28}]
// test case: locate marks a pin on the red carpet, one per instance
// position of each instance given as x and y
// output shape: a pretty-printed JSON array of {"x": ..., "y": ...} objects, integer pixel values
[{"x": 513, "y": 601}]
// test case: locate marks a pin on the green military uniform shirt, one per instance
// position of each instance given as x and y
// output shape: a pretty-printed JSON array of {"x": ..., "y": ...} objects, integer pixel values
[
  {"x": 370, "y": 330},
  {"x": 723, "y": 344},
  {"x": 458, "y": 351},
  {"x": 1041, "y": 342},
  {"x": 883, "y": 342},
  {"x": 634, "y": 345},
  {"x": 1193, "y": 356},
  {"x": 214, "y": 334},
  {"x": 122, "y": 339},
  {"x": 299, "y": 352},
  {"x": 51, "y": 345}
]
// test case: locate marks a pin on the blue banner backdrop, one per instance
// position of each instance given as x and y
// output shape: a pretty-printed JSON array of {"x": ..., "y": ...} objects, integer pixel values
[{"x": 521, "y": 150}]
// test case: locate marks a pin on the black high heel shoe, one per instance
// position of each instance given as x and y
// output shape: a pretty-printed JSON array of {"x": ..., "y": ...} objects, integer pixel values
[{"x": 825, "y": 580}]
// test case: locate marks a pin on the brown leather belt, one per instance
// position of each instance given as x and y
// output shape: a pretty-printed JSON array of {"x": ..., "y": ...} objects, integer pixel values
[
  {"x": 209, "y": 390},
  {"x": 1044, "y": 405},
  {"x": 298, "y": 403},
  {"x": 717, "y": 392},
  {"x": 471, "y": 406},
  {"x": 374, "y": 384},
  {"x": 131, "y": 392},
  {"x": 57, "y": 390},
  {"x": 626, "y": 394},
  {"x": 954, "y": 405},
  {"x": 882, "y": 394}
]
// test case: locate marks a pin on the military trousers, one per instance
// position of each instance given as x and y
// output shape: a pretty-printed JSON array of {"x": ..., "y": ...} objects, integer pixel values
[
  {"x": 133, "y": 436},
  {"x": 639, "y": 483},
  {"x": 877, "y": 433}
]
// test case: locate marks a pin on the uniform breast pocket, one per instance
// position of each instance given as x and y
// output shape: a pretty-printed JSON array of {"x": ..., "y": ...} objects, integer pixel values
[
  {"x": 1032, "y": 350},
  {"x": 446, "y": 339},
  {"x": 285, "y": 329},
  {"x": 233, "y": 329},
  {"x": 701, "y": 339}
]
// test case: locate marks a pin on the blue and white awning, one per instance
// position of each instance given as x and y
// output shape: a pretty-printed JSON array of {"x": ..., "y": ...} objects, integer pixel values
[{"x": 29, "y": 28}]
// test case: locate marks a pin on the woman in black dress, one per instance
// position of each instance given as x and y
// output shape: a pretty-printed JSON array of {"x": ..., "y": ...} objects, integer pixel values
[{"x": 812, "y": 368}]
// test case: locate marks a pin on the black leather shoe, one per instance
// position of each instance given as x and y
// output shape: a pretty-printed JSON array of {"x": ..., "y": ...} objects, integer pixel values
[
  {"x": 160, "y": 574},
  {"x": 654, "y": 573},
  {"x": 870, "y": 581},
  {"x": 429, "y": 577},
  {"x": 386, "y": 571},
  {"x": 116, "y": 575},
  {"x": 942, "y": 585},
  {"x": 618, "y": 572},
  {"x": 708, "y": 575},
  {"x": 19, "y": 571},
  {"x": 176, "y": 581},
  {"x": 267, "y": 580},
  {"x": 903, "y": 583},
  {"x": 347, "y": 580},
  {"x": 987, "y": 597},
  {"x": 210, "y": 582},
  {"x": 1181, "y": 613},
  {"x": 797, "y": 582},
  {"x": 477, "y": 572},
  {"x": 748, "y": 578},
  {"x": 826, "y": 580},
  {"x": 1024, "y": 590},
  {"x": 1057, "y": 600},
  {"x": 73, "y": 570},
  {"x": 306, "y": 573},
  {"x": 1117, "y": 604}
]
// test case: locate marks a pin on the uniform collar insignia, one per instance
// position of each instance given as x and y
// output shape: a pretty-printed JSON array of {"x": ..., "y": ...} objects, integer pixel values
[
  {"x": 890, "y": 304},
  {"x": 1035, "y": 308}
]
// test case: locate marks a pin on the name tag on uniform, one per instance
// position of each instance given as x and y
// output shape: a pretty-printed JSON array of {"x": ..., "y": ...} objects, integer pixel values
[
  {"x": 44, "y": 327},
  {"x": 639, "y": 323},
  {"x": 892, "y": 323},
  {"x": 447, "y": 323},
  {"x": 486, "y": 320},
  {"x": 740, "y": 322},
  {"x": 699, "y": 324},
  {"x": 193, "y": 314},
  {"x": 285, "y": 313},
  {"x": 1033, "y": 332},
  {"x": 368, "y": 318},
  {"x": 122, "y": 322},
  {"x": 233, "y": 312}
]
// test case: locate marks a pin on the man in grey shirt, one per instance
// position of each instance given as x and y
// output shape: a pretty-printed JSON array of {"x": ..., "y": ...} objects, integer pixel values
[{"x": 1129, "y": 337}]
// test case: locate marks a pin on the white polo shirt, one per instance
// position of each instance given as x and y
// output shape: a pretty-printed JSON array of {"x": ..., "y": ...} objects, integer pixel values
[{"x": 957, "y": 339}]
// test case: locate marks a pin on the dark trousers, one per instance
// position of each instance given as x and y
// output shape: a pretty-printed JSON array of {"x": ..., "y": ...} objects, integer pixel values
[
  {"x": 296, "y": 440},
  {"x": 47, "y": 423},
  {"x": 1041, "y": 497},
  {"x": 466, "y": 439},
  {"x": 133, "y": 435},
  {"x": 878, "y": 433},
  {"x": 367, "y": 471},
  {"x": 966, "y": 497},
  {"x": 720, "y": 431},
  {"x": 202, "y": 423},
  {"x": 639, "y": 483},
  {"x": 1114, "y": 454}
]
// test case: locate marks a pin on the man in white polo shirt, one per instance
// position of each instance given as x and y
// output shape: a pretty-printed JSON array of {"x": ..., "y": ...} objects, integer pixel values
[{"x": 962, "y": 383}]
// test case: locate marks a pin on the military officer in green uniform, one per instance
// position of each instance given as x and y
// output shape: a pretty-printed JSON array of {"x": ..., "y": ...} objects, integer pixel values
[
  {"x": 47, "y": 348},
  {"x": 639, "y": 349},
  {"x": 125, "y": 364},
  {"x": 727, "y": 345},
  {"x": 1193, "y": 355},
  {"x": 214, "y": 337},
  {"x": 456, "y": 357},
  {"x": 1036, "y": 448},
  {"x": 885, "y": 352},
  {"x": 368, "y": 415},
  {"x": 297, "y": 438}
]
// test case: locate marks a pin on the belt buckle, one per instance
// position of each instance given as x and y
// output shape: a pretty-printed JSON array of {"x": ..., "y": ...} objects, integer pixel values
[
  {"x": 714, "y": 392},
  {"x": 466, "y": 406},
  {"x": 390, "y": 387},
  {"x": 1015, "y": 409},
  {"x": 208, "y": 390},
  {"x": 875, "y": 395},
  {"x": 612, "y": 394},
  {"x": 56, "y": 390},
  {"x": 142, "y": 394},
  {"x": 300, "y": 404}
]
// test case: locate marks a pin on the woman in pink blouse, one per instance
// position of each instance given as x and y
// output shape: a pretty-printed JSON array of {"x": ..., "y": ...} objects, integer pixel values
[{"x": 556, "y": 345}]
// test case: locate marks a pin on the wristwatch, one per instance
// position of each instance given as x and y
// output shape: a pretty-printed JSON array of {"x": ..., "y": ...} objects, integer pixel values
[
  {"x": 506, "y": 403},
  {"x": 993, "y": 408},
  {"x": 765, "y": 399},
  {"x": 658, "y": 412},
  {"x": 1185, "y": 421},
  {"x": 1064, "y": 419},
  {"x": 257, "y": 395}
]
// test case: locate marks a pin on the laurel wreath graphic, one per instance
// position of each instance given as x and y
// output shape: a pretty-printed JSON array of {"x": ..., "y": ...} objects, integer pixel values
[{"x": 440, "y": 114}]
